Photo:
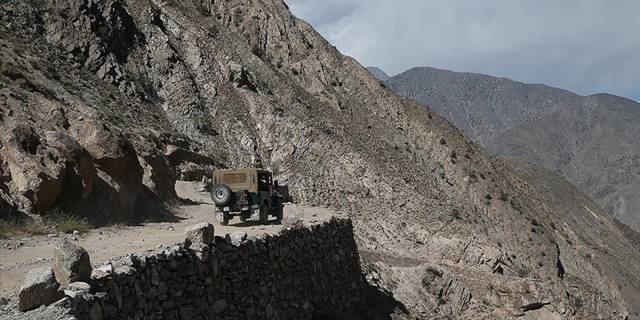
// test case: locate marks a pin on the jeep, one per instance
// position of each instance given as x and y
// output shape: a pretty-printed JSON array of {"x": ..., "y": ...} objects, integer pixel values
[{"x": 246, "y": 193}]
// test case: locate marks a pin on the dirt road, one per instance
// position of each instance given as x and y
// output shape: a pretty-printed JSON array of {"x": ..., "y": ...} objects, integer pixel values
[{"x": 19, "y": 255}]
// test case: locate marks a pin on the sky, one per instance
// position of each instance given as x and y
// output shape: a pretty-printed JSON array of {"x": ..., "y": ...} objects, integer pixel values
[{"x": 586, "y": 46}]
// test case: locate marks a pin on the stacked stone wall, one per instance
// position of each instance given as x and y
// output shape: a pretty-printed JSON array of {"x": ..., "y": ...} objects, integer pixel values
[{"x": 297, "y": 274}]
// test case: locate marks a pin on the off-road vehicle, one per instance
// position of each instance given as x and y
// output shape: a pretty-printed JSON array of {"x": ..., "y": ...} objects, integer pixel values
[{"x": 247, "y": 193}]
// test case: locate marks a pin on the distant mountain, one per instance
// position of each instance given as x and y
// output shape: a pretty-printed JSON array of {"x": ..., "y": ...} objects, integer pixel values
[
  {"x": 592, "y": 141},
  {"x": 378, "y": 73}
]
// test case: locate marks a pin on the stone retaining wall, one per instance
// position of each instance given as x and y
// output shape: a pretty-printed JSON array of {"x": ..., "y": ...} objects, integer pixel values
[{"x": 297, "y": 274}]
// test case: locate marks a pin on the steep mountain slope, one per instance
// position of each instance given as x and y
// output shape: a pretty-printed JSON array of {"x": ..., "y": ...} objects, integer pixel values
[
  {"x": 613, "y": 253},
  {"x": 591, "y": 141},
  {"x": 447, "y": 229},
  {"x": 379, "y": 73}
]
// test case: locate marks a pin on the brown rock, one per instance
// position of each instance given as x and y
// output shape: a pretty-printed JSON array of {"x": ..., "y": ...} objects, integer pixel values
[
  {"x": 40, "y": 288},
  {"x": 200, "y": 233},
  {"x": 37, "y": 171},
  {"x": 71, "y": 263}
]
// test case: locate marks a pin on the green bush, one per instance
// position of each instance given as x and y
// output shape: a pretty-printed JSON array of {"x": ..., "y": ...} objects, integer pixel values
[
  {"x": 456, "y": 214},
  {"x": 535, "y": 223},
  {"x": 213, "y": 31},
  {"x": 69, "y": 224}
]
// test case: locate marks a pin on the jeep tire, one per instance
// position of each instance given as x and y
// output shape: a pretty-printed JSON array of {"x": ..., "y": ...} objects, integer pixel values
[
  {"x": 224, "y": 218},
  {"x": 278, "y": 213},
  {"x": 221, "y": 194},
  {"x": 264, "y": 214}
]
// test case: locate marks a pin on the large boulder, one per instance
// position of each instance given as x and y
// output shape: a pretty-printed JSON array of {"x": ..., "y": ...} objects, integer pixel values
[
  {"x": 200, "y": 233},
  {"x": 71, "y": 263},
  {"x": 37, "y": 171},
  {"x": 40, "y": 288}
]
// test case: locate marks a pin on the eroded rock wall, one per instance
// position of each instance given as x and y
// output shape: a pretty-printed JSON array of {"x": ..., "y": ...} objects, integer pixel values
[{"x": 295, "y": 275}]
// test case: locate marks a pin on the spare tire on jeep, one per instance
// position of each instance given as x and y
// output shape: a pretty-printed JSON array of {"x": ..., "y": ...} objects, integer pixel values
[{"x": 221, "y": 194}]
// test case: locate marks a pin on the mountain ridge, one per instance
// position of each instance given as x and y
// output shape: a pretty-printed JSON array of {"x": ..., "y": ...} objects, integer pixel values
[{"x": 518, "y": 119}]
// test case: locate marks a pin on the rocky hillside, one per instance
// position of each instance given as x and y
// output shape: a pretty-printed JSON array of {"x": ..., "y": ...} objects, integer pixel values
[
  {"x": 105, "y": 103},
  {"x": 591, "y": 141}
]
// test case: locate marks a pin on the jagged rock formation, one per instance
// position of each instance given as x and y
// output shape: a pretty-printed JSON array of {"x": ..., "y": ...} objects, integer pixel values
[
  {"x": 591, "y": 141},
  {"x": 145, "y": 86}
]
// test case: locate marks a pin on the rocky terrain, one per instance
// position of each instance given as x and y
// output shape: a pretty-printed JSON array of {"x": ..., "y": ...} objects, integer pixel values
[
  {"x": 591, "y": 141},
  {"x": 105, "y": 103}
]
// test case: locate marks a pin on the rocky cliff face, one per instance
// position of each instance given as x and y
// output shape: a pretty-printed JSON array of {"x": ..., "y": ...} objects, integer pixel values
[
  {"x": 130, "y": 92},
  {"x": 591, "y": 141}
]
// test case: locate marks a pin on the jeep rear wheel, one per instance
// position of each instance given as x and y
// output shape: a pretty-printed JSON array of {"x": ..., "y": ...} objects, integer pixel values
[
  {"x": 223, "y": 218},
  {"x": 264, "y": 214}
]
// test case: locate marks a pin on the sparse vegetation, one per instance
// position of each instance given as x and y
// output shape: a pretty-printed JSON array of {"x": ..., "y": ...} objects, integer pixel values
[
  {"x": 257, "y": 51},
  {"x": 473, "y": 176},
  {"x": 536, "y": 227},
  {"x": 69, "y": 223},
  {"x": 456, "y": 214},
  {"x": 516, "y": 206},
  {"x": 213, "y": 31},
  {"x": 14, "y": 228},
  {"x": 576, "y": 301},
  {"x": 504, "y": 196},
  {"x": 295, "y": 72},
  {"x": 53, "y": 222},
  {"x": 535, "y": 223},
  {"x": 205, "y": 11},
  {"x": 522, "y": 272},
  {"x": 443, "y": 141}
]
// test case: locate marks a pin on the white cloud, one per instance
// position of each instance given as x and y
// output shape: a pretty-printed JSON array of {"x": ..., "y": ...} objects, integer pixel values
[{"x": 587, "y": 46}]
